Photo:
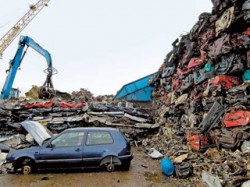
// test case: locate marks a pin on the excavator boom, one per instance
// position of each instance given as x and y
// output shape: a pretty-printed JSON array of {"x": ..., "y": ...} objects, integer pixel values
[{"x": 47, "y": 89}]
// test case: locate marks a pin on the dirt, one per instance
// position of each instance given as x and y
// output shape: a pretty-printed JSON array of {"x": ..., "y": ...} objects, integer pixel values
[{"x": 143, "y": 172}]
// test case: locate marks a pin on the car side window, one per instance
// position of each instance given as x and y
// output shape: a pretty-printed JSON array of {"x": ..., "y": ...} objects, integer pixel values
[
  {"x": 68, "y": 139},
  {"x": 99, "y": 137}
]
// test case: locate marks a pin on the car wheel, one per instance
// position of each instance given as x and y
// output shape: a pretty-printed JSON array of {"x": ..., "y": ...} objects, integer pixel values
[
  {"x": 110, "y": 163},
  {"x": 110, "y": 167},
  {"x": 26, "y": 167}
]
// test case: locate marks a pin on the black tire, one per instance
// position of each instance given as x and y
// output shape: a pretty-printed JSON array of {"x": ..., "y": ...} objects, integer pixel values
[{"x": 27, "y": 167}]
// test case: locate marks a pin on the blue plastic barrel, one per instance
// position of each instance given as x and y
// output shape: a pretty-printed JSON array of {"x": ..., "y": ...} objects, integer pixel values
[
  {"x": 167, "y": 167},
  {"x": 246, "y": 75}
]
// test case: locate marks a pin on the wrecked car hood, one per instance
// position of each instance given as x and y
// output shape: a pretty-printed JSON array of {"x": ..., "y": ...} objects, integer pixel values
[{"x": 37, "y": 131}]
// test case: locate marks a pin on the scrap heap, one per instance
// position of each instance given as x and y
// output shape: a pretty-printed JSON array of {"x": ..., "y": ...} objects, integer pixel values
[
  {"x": 83, "y": 95},
  {"x": 201, "y": 96},
  {"x": 80, "y": 109}
]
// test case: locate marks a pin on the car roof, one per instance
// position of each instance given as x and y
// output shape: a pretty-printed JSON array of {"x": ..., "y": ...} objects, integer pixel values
[{"x": 92, "y": 129}]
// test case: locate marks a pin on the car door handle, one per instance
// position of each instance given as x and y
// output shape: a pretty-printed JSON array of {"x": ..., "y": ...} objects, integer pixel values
[{"x": 78, "y": 149}]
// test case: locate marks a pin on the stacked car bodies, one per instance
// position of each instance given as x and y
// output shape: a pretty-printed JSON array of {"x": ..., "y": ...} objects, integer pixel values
[{"x": 201, "y": 91}]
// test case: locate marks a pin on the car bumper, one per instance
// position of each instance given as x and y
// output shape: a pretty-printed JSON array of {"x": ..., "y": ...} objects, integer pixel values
[{"x": 126, "y": 157}]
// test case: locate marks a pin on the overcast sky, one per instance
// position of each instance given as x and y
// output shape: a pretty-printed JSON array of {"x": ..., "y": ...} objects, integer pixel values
[{"x": 99, "y": 45}]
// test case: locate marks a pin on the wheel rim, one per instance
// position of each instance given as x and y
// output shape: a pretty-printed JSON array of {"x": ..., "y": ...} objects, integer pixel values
[
  {"x": 111, "y": 167},
  {"x": 26, "y": 170}
]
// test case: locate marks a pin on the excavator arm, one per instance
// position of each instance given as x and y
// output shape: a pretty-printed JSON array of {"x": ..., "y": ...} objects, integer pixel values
[{"x": 47, "y": 90}]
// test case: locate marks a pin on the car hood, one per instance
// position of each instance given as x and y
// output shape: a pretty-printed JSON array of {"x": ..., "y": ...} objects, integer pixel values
[{"x": 37, "y": 131}]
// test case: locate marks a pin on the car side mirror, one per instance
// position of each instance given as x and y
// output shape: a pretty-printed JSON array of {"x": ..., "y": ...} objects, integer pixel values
[{"x": 50, "y": 145}]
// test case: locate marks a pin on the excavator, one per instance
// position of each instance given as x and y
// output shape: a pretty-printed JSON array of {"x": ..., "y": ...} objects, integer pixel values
[{"x": 47, "y": 90}]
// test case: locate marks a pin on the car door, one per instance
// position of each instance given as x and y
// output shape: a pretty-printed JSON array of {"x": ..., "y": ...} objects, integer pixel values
[
  {"x": 98, "y": 144},
  {"x": 64, "y": 151}
]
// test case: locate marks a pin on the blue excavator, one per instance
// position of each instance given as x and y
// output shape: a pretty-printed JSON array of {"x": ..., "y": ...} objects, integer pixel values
[{"x": 47, "y": 90}]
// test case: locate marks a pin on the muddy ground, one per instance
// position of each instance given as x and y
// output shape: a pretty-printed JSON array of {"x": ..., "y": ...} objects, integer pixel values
[{"x": 143, "y": 172}]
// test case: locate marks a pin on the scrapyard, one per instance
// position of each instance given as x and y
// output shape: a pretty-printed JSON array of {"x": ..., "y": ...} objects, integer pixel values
[{"x": 195, "y": 129}]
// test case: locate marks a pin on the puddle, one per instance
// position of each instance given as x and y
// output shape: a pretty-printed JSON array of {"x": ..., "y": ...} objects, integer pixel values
[{"x": 153, "y": 177}]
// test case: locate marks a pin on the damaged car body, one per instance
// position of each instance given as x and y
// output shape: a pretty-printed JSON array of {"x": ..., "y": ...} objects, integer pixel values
[{"x": 75, "y": 148}]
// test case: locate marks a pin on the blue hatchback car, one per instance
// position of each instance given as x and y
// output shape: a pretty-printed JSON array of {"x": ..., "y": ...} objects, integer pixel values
[{"x": 73, "y": 148}]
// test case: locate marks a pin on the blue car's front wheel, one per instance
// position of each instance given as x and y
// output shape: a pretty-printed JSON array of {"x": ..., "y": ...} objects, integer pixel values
[{"x": 27, "y": 166}]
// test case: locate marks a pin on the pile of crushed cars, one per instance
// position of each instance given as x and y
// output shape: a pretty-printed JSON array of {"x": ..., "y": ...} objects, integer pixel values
[
  {"x": 201, "y": 103},
  {"x": 58, "y": 115},
  {"x": 202, "y": 98}
]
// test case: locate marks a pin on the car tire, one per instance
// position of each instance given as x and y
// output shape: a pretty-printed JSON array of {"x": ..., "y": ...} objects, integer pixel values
[
  {"x": 27, "y": 167},
  {"x": 110, "y": 167}
]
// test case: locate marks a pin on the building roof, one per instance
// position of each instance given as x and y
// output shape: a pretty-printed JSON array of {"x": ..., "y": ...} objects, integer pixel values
[{"x": 138, "y": 90}]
